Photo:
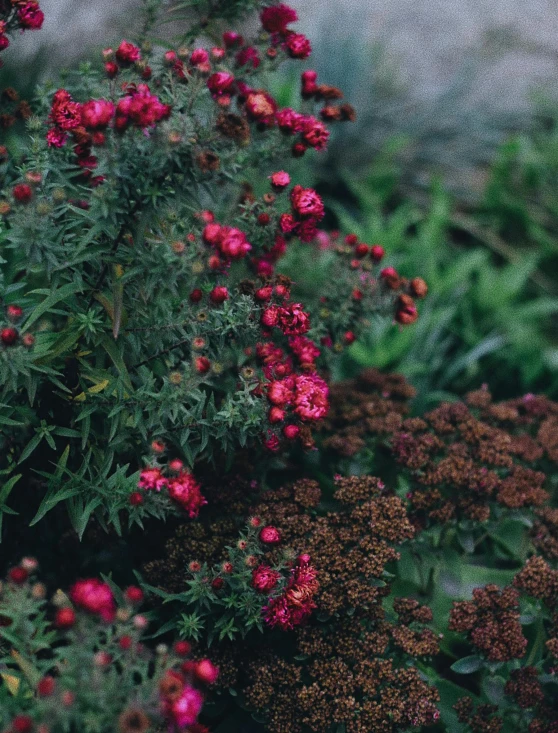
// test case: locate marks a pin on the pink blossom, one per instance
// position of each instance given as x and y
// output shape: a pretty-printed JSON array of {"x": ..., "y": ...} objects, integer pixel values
[
  {"x": 311, "y": 397},
  {"x": 94, "y": 596}
]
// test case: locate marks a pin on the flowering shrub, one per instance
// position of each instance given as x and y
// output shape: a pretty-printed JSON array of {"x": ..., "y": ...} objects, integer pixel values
[
  {"x": 18, "y": 14},
  {"x": 345, "y": 566},
  {"x": 145, "y": 320},
  {"x": 79, "y": 662}
]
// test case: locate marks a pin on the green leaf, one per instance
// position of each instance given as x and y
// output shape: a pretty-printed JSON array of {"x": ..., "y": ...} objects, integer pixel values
[
  {"x": 30, "y": 447},
  {"x": 467, "y": 665},
  {"x": 52, "y": 299}
]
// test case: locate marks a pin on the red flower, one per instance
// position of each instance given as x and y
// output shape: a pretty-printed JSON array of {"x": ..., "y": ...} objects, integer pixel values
[
  {"x": 306, "y": 350},
  {"x": 30, "y": 16},
  {"x": 94, "y": 596},
  {"x": 265, "y": 578},
  {"x": 270, "y": 535},
  {"x": 200, "y": 58},
  {"x": 377, "y": 252},
  {"x": 56, "y": 138},
  {"x": 293, "y": 320},
  {"x": 8, "y": 336},
  {"x": 247, "y": 56},
  {"x": 298, "y": 46},
  {"x": 22, "y": 724},
  {"x": 219, "y": 294},
  {"x": 65, "y": 618},
  {"x": 46, "y": 686},
  {"x": 65, "y": 113},
  {"x": 14, "y": 312},
  {"x": 18, "y": 575},
  {"x": 276, "y": 18},
  {"x": 185, "y": 491},
  {"x": 308, "y": 79},
  {"x": 134, "y": 594},
  {"x": 406, "y": 312},
  {"x": 280, "y": 392},
  {"x": 220, "y": 83},
  {"x": 152, "y": 478},
  {"x": 22, "y": 193},
  {"x": 291, "y": 432},
  {"x": 127, "y": 53},
  {"x": 290, "y": 121},
  {"x": 96, "y": 114},
  {"x": 203, "y": 365},
  {"x": 140, "y": 108},
  {"x": 230, "y": 39},
  {"x": 206, "y": 671}
]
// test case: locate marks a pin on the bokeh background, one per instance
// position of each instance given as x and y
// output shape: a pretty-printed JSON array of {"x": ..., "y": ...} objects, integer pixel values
[{"x": 452, "y": 165}]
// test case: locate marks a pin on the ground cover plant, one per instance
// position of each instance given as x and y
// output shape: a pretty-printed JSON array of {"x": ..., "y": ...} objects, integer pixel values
[{"x": 174, "y": 432}]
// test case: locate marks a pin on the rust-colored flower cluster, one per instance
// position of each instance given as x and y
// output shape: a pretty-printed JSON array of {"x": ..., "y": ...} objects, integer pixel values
[
  {"x": 321, "y": 678},
  {"x": 481, "y": 720},
  {"x": 491, "y": 620},
  {"x": 372, "y": 404},
  {"x": 463, "y": 457}
]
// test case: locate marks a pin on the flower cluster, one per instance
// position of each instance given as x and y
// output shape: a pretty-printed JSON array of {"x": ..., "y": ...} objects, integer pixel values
[
  {"x": 341, "y": 669},
  {"x": 181, "y": 487},
  {"x": 21, "y": 15},
  {"x": 87, "y": 122},
  {"x": 492, "y": 621},
  {"x": 295, "y": 605},
  {"x": 257, "y": 584},
  {"x": 97, "y": 667}
]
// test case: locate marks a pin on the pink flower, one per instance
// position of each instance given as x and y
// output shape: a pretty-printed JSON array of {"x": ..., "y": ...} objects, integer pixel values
[
  {"x": 96, "y": 114},
  {"x": 280, "y": 180},
  {"x": 305, "y": 349},
  {"x": 199, "y": 58},
  {"x": 311, "y": 397},
  {"x": 230, "y": 241},
  {"x": 280, "y": 392},
  {"x": 307, "y": 203},
  {"x": 152, "y": 478},
  {"x": 185, "y": 491},
  {"x": 140, "y": 108},
  {"x": 220, "y": 83},
  {"x": 265, "y": 578},
  {"x": 30, "y": 16},
  {"x": 186, "y": 709},
  {"x": 127, "y": 53},
  {"x": 315, "y": 133},
  {"x": 94, "y": 596},
  {"x": 298, "y": 46},
  {"x": 276, "y": 18},
  {"x": 270, "y": 535},
  {"x": 290, "y": 121},
  {"x": 270, "y": 316},
  {"x": 308, "y": 81}
]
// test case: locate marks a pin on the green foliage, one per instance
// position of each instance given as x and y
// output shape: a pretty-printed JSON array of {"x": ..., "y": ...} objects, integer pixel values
[{"x": 489, "y": 314}]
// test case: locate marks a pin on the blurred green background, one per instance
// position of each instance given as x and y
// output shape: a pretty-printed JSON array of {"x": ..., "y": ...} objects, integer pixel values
[{"x": 452, "y": 165}]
